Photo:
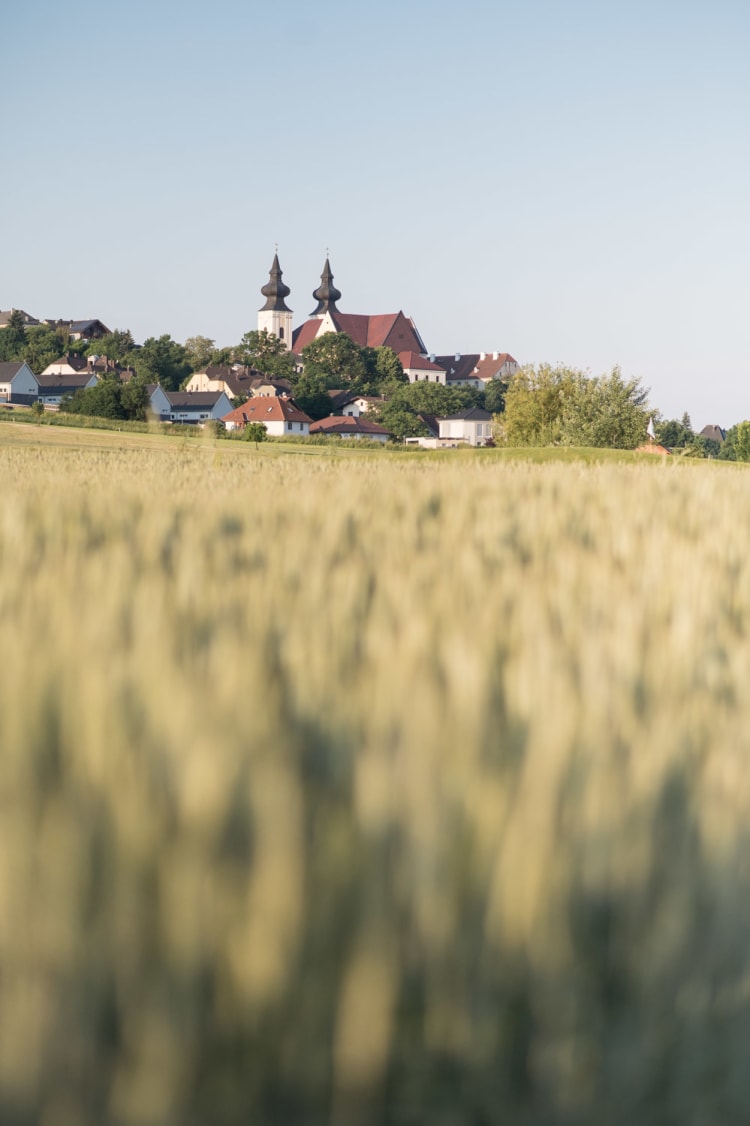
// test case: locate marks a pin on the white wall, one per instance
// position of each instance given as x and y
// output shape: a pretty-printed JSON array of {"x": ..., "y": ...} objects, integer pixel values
[
  {"x": 419, "y": 375},
  {"x": 276, "y": 323},
  {"x": 23, "y": 382}
]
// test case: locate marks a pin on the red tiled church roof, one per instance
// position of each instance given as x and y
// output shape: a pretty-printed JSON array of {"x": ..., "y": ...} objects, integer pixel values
[{"x": 389, "y": 330}]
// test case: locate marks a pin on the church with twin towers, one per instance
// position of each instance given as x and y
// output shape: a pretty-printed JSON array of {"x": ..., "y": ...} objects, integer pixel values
[{"x": 384, "y": 330}]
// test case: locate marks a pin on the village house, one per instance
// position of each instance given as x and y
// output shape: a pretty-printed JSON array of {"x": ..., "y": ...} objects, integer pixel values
[
  {"x": 77, "y": 330},
  {"x": 70, "y": 364},
  {"x": 476, "y": 369},
  {"x": 18, "y": 384},
  {"x": 347, "y": 426},
  {"x": 189, "y": 408},
  {"x": 53, "y": 387},
  {"x": 350, "y": 403},
  {"x": 238, "y": 381},
  {"x": 714, "y": 433},
  {"x": 82, "y": 330},
  {"x": 28, "y": 320},
  {"x": 474, "y": 427},
  {"x": 280, "y": 416},
  {"x": 421, "y": 369}
]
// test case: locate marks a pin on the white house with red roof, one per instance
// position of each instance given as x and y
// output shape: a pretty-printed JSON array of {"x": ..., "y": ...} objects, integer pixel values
[
  {"x": 421, "y": 369},
  {"x": 281, "y": 417}
]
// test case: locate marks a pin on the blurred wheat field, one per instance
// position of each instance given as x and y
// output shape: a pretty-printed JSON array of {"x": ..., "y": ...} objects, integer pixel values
[{"x": 372, "y": 791}]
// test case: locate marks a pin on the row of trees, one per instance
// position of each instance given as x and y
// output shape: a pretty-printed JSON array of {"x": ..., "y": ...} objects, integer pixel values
[
  {"x": 543, "y": 406},
  {"x": 560, "y": 406},
  {"x": 331, "y": 362}
]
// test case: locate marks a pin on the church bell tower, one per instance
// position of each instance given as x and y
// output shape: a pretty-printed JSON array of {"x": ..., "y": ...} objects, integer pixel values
[{"x": 276, "y": 316}]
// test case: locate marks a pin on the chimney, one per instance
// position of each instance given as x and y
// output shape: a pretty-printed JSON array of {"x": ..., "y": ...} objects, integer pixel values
[
  {"x": 432, "y": 357},
  {"x": 458, "y": 356},
  {"x": 483, "y": 356},
  {"x": 495, "y": 355}
]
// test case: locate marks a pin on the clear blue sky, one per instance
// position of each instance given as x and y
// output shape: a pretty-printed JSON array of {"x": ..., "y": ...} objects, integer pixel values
[{"x": 566, "y": 181}]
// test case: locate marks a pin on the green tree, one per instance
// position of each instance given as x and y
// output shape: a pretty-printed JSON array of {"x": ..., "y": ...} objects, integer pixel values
[
  {"x": 13, "y": 337},
  {"x": 680, "y": 438},
  {"x": 117, "y": 345},
  {"x": 162, "y": 361},
  {"x": 382, "y": 368},
  {"x": 200, "y": 351},
  {"x": 44, "y": 345},
  {"x": 311, "y": 394},
  {"x": 408, "y": 400},
  {"x": 494, "y": 396},
  {"x": 110, "y": 398},
  {"x": 266, "y": 352},
  {"x": 604, "y": 411},
  {"x": 671, "y": 434},
  {"x": 534, "y": 405},
  {"x": 255, "y": 432},
  {"x": 134, "y": 398},
  {"x": 403, "y": 422},
  {"x": 549, "y": 406},
  {"x": 102, "y": 401},
  {"x": 736, "y": 446},
  {"x": 334, "y": 359}
]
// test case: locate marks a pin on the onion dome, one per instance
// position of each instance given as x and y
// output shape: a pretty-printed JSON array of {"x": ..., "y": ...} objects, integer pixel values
[
  {"x": 275, "y": 291},
  {"x": 326, "y": 294}
]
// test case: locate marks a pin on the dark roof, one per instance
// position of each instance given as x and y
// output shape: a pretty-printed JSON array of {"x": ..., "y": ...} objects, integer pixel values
[
  {"x": 275, "y": 290},
  {"x": 5, "y": 315},
  {"x": 458, "y": 366},
  {"x": 431, "y": 423},
  {"x": 9, "y": 369},
  {"x": 714, "y": 432},
  {"x": 193, "y": 400},
  {"x": 63, "y": 383},
  {"x": 475, "y": 414},
  {"x": 87, "y": 326},
  {"x": 78, "y": 363},
  {"x": 326, "y": 294},
  {"x": 341, "y": 398}
]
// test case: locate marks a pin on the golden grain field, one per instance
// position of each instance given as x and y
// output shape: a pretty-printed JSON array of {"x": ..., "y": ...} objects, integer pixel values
[{"x": 372, "y": 790}]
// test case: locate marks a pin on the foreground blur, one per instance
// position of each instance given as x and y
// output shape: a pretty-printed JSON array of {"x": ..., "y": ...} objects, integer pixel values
[{"x": 372, "y": 791}]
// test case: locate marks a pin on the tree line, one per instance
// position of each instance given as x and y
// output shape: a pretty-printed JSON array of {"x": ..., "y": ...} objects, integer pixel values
[
  {"x": 542, "y": 406},
  {"x": 332, "y": 362}
]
